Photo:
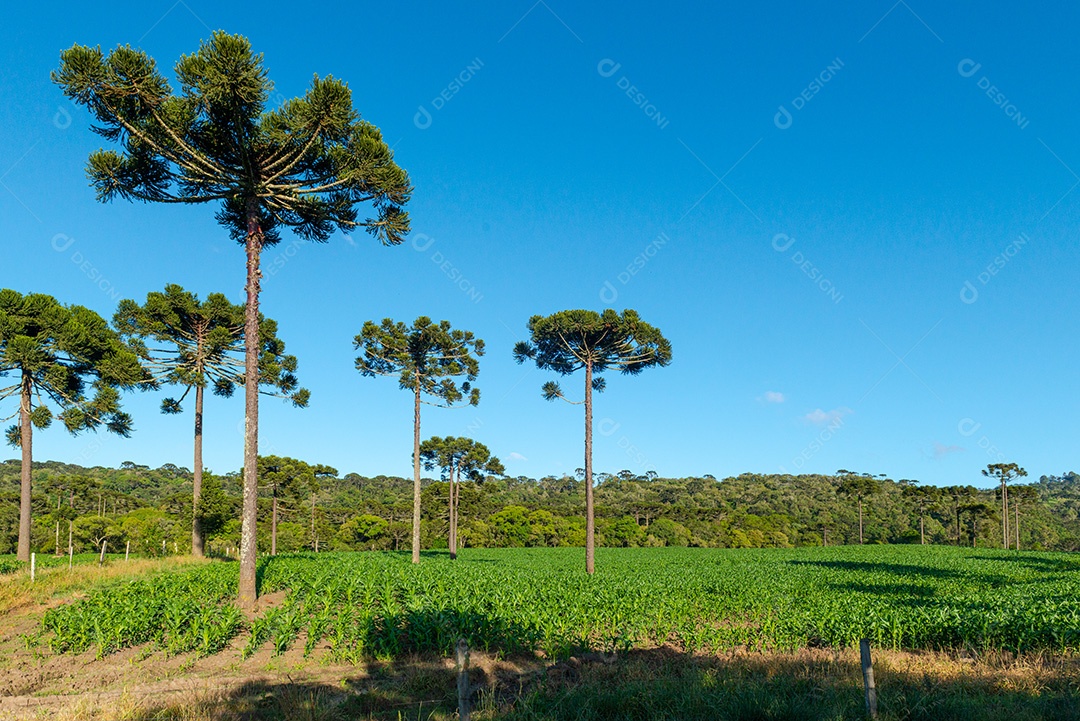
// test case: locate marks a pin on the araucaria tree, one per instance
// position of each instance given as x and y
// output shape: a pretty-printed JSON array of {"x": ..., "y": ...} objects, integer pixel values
[
  {"x": 924, "y": 498},
  {"x": 458, "y": 458},
  {"x": 203, "y": 346},
  {"x": 859, "y": 486},
  {"x": 1021, "y": 496},
  {"x": 958, "y": 495},
  {"x": 64, "y": 358},
  {"x": 292, "y": 478},
  {"x": 978, "y": 510},
  {"x": 572, "y": 340},
  {"x": 1003, "y": 473},
  {"x": 305, "y": 166},
  {"x": 426, "y": 357}
]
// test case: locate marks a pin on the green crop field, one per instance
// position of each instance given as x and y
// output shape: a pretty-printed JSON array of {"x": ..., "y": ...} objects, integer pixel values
[{"x": 379, "y": 605}]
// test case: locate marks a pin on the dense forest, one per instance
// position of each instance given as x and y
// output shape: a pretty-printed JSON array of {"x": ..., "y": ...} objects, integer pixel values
[{"x": 151, "y": 509}]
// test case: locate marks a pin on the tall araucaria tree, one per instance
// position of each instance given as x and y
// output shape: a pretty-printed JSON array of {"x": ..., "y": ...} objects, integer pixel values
[
  {"x": 64, "y": 358},
  {"x": 923, "y": 498},
  {"x": 291, "y": 477},
  {"x": 304, "y": 166},
  {"x": 958, "y": 495},
  {"x": 978, "y": 510},
  {"x": 204, "y": 344},
  {"x": 1004, "y": 473},
  {"x": 572, "y": 340},
  {"x": 859, "y": 486},
  {"x": 426, "y": 357},
  {"x": 459, "y": 458},
  {"x": 1021, "y": 496}
]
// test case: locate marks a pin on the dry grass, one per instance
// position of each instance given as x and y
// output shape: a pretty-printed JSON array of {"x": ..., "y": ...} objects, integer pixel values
[
  {"x": 18, "y": 593},
  {"x": 811, "y": 685},
  {"x": 191, "y": 706},
  {"x": 252, "y": 700}
]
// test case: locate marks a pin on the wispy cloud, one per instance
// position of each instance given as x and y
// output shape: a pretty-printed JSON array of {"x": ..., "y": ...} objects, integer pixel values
[
  {"x": 772, "y": 397},
  {"x": 821, "y": 418},
  {"x": 515, "y": 456},
  {"x": 941, "y": 450}
]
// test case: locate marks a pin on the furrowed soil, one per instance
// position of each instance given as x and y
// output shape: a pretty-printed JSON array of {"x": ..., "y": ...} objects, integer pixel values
[{"x": 658, "y": 683}]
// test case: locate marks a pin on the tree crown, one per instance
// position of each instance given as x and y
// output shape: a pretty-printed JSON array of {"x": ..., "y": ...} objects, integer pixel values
[
  {"x": 64, "y": 353},
  {"x": 425, "y": 356},
  {"x": 1004, "y": 472},
  {"x": 462, "y": 457},
  {"x": 206, "y": 340},
  {"x": 291, "y": 476},
  {"x": 857, "y": 485},
  {"x": 305, "y": 165},
  {"x": 570, "y": 340}
]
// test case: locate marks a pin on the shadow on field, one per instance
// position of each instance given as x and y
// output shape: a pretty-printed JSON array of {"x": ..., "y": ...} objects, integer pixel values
[
  {"x": 898, "y": 569},
  {"x": 438, "y": 631},
  {"x": 464, "y": 554},
  {"x": 909, "y": 594},
  {"x": 663, "y": 684},
  {"x": 1036, "y": 563}
]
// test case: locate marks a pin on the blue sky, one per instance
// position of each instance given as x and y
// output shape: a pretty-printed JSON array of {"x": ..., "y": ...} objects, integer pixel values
[{"x": 856, "y": 224}]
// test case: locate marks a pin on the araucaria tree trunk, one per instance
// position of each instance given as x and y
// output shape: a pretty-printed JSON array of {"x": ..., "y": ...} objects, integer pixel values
[
  {"x": 196, "y": 523},
  {"x": 453, "y": 512},
  {"x": 416, "y": 476},
  {"x": 860, "y": 522},
  {"x": 273, "y": 524},
  {"x": 1004, "y": 514},
  {"x": 26, "y": 472},
  {"x": 248, "y": 538},
  {"x": 590, "y": 521}
]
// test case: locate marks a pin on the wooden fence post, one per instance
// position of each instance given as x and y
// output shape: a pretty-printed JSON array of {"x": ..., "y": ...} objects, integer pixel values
[
  {"x": 868, "y": 678},
  {"x": 33, "y": 566},
  {"x": 463, "y": 679},
  {"x": 127, "y": 550}
]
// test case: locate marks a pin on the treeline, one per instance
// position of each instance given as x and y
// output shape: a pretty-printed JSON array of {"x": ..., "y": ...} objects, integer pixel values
[{"x": 152, "y": 509}]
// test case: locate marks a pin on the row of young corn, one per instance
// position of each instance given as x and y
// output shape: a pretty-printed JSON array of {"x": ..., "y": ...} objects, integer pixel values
[{"x": 178, "y": 612}]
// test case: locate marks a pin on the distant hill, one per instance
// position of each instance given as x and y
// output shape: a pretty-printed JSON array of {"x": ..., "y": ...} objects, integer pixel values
[{"x": 354, "y": 511}]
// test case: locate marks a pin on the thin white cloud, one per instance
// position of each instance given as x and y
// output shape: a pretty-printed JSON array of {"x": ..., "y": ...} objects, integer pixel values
[
  {"x": 821, "y": 418},
  {"x": 515, "y": 456},
  {"x": 941, "y": 450},
  {"x": 773, "y": 397}
]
